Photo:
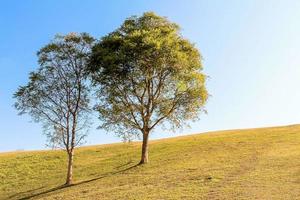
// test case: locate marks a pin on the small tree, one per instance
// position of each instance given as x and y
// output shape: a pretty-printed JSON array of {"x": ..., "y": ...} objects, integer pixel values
[
  {"x": 57, "y": 94},
  {"x": 147, "y": 74}
]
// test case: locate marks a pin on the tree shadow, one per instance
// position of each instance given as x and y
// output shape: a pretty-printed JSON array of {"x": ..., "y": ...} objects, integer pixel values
[
  {"x": 105, "y": 175},
  {"x": 68, "y": 186},
  {"x": 121, "y": 166},
  {"x": 23, "y": 193},
  {"x": 41, "y": 193}
]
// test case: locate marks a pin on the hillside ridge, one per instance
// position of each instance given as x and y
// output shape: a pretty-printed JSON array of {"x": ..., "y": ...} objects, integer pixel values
[{"x": 259, "y": 163}]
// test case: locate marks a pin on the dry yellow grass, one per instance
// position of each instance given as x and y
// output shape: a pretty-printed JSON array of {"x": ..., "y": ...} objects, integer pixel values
[{"x": 238, "y": 164}]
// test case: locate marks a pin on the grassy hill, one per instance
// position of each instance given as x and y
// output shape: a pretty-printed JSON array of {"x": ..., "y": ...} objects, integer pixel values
[{"x": 238, "y": 164}]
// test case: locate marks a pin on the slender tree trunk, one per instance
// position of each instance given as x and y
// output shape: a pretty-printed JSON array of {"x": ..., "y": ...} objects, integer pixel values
[
  {"x": 69, "y": 180},
  {"x": 144, "y": 158},
  {"x": 70, "y": 167}
]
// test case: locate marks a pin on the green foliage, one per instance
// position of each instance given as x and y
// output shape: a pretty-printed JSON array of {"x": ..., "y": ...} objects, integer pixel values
[
  {"x": 147, "y": 74},
  {"x": 57, "y": 93}
]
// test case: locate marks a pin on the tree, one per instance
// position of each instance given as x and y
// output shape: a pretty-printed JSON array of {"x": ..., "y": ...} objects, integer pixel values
[
  {"x": 147, "y": 75},
  {"x": 57, "y": 93}
]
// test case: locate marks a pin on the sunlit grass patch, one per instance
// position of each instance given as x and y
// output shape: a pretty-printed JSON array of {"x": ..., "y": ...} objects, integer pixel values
[{"x": 238, "y": 164}]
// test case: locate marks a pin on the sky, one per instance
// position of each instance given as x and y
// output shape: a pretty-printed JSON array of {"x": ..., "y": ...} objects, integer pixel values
[{"x": 250, "y": 49}]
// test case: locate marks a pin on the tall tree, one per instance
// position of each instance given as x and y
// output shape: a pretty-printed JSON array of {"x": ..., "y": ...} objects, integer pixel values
[
  {"x": 147, "y": 74},
  {"x": 57, "y": 93}
]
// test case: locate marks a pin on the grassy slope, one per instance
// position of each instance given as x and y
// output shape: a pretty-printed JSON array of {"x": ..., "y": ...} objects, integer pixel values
[{"x": 238, "y": 164}]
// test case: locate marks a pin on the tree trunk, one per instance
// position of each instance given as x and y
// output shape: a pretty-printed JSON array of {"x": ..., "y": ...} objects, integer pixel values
[
  {"x": 70, "y": 167},
  {"x": 144, "y": 158}
]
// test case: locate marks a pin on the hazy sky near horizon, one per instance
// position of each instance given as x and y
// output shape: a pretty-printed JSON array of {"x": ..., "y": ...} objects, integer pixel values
[{"x": 250, "y": 48}]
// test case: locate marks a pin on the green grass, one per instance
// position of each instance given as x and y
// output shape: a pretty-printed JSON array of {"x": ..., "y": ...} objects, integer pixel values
[{"x": 238, "y": 164}]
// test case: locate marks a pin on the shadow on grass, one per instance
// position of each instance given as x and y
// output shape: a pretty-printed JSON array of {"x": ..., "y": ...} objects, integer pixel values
[{"x": 68, "y": 186}]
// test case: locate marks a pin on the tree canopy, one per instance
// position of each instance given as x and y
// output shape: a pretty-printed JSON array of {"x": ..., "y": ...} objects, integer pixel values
[{"x": 147, "y": 74}]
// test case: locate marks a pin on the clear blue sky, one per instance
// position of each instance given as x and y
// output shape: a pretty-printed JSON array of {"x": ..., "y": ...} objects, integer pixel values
[{"x": 251, "y": 51}]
